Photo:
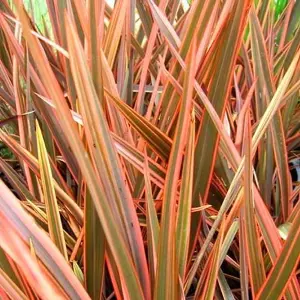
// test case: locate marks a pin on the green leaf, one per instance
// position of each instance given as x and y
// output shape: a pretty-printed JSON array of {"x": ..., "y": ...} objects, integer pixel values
[
  {"x": 94, "y": 250},
  {"x": 255, "y": 258},
  {"x": 154, "y": 137},
  {"x": 185, "y": 203},
  {"x": 114, "y": 31},
  {"x": 151, "y": 223},
  {"x": 166, "y": 278},
  {"x": 211, "y": 280},
  {"x": 77, "y": 271},
  {"x": 54, "y": 221},
  {"x": 284, "y": 267},
  {"x": 284, "y": 230}
]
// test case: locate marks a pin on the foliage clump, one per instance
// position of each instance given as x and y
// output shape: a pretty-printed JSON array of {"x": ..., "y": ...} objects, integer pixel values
[{"x": 146, "y": 149}]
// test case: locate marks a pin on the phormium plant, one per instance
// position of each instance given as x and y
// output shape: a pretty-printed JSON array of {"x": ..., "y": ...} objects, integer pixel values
[{"x": 146, "y": 149}]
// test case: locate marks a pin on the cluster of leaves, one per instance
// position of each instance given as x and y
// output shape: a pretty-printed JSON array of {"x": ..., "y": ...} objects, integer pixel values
[{"x": 153, "y": 142}]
